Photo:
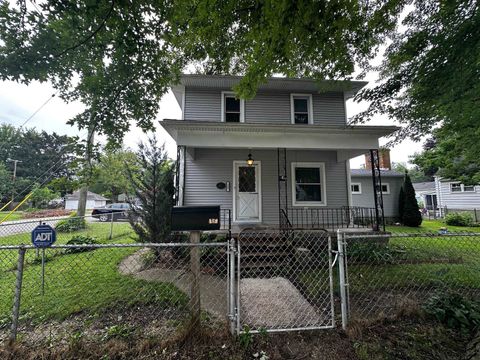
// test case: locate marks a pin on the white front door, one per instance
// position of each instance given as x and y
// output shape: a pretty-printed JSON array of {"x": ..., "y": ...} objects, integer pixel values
[{"x": 247, "y": 192}]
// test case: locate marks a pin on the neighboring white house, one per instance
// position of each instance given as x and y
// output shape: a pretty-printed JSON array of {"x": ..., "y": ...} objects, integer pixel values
[
  {"x": 93, "y": 200},
  {"x": 454, "y": 195},
  {"x": 426, "y": 193},
  {"x": 280, "y": 158}
]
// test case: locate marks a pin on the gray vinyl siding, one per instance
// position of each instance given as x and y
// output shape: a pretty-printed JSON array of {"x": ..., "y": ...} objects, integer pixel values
[
  {"x": 211, "y": 166},
  {"x": 267, "y": 107},
  {"x": 366, "y": 198},
  {"x": 457, "y": 200},
  {"x": 203, "y": 104}
]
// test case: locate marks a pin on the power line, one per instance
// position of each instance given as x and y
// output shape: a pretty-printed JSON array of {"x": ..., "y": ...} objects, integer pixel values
[{"x": 40, "y": 108}]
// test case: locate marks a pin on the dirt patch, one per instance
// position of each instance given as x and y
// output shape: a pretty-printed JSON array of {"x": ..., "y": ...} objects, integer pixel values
[
  {"x": 124, "y": 321},
  {"x": 412, "y": 338}
]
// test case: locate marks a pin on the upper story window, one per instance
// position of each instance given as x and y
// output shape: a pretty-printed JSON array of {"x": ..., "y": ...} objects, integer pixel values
[
  {"x": 459, "y": 187},
  {"x": 301, "y": 108},
  {"x": 232, "y": 108},
  {"x": 356, "y": 188},
  {"x": 308, "y": 184}
]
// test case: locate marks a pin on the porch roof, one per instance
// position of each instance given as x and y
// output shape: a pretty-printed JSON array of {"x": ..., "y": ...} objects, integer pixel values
[{"x": 350, "y": 141}]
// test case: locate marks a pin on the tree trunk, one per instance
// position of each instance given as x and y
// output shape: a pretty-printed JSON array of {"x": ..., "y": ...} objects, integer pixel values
[{"x": 82, "y": 199}]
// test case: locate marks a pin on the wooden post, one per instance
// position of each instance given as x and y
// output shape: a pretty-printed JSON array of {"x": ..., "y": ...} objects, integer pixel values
[{"x": 195, "y": 307}]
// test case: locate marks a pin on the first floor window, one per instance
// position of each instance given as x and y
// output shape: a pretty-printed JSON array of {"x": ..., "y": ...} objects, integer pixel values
[
  {"x": 385, "y": 188},
  {"x": 456, "y": 187},
  {"x": 356, "y": 188},
  {"x": 308, "y": 182},
  {"x": 459, "y": 187}
]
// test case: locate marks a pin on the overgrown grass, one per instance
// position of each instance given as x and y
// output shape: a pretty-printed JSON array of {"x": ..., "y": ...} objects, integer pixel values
[
  {"x": 84, "y": 282},
  {"x": 429, "y": 226},
  {"x": 407, "y": 263}
]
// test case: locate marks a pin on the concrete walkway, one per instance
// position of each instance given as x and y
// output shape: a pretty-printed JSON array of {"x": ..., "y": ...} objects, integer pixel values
[{"x": 213, "y": 289}]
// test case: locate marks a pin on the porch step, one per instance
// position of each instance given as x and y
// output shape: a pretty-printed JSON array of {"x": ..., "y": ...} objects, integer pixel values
[{"x": 265, "y": 255}]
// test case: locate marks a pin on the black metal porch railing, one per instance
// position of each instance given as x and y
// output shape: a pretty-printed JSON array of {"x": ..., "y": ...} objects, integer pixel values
[{"x": 327, "y": 218}]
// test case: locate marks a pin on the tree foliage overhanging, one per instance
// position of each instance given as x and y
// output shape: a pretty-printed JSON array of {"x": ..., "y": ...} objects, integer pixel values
[
  {"x": 429, "y": 83},
  {"x": 120, "y": 57}
]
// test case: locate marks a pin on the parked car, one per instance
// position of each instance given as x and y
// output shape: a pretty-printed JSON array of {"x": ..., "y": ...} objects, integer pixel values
[{"x": 117, "y": 210}]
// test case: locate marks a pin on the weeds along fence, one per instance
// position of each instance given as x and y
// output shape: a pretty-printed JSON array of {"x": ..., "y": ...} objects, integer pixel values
[
  {"x": 386, "y": 273},
  {"x": 102, "y": 291}
]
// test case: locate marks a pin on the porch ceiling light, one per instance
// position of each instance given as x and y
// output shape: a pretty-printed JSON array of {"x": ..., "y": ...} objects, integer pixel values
[{"x": 250, "y": 160}]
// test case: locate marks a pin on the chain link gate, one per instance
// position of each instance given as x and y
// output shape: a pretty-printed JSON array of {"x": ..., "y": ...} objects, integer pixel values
[{"x": 281, "y": 281}]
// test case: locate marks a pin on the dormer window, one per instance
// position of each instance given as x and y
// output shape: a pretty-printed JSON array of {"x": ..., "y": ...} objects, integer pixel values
[
  {"x": 302, "y": 108},
  {"x": 232, "y": 108}
]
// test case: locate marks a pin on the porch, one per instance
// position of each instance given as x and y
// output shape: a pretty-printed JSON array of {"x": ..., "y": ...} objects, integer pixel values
[{"x": 347, "y": 218}]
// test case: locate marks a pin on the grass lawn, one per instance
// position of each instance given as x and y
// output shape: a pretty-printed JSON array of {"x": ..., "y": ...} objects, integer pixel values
[
  {"x": 429, "y": 226},
  {"x": 409, "y": 263},
  {"x": 83, "y": 282},
  {"x": 18, "y": 215}
]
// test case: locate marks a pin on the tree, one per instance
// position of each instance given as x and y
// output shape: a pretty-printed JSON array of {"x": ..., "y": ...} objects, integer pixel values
[
  {"x": 42, "y": 196},
  {"x": 111, "y": 174},
  {"x": 455, "y": 155},
  {"x": 401, "y": 203},
  {"x": 429, "y": 80},
  {"x": 43, "y": 155},
  {"x": 416, "y": 173},
  {"x": 153, "y": 183},
  {"x": 63, "y": 185},
  {"x": 119, "y": 58},
  {"x": 411, "y": 213},
  {"x": 5, "y": 183}
]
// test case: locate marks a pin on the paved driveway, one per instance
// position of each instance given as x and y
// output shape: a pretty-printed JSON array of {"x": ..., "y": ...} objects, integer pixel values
[{"x": 25, "y": 226}]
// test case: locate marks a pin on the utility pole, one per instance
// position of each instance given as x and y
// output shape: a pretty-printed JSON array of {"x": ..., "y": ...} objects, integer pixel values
[
  {"x": 14, "y": 177},
  {"x": 82, "y": 196}
]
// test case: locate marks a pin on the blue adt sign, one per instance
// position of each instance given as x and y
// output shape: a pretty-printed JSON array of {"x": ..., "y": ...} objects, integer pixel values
[{"x": 43, "y": 236}]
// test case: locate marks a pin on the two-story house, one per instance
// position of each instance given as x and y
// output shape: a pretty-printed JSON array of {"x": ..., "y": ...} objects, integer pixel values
[{"x": 279, "y": 159}]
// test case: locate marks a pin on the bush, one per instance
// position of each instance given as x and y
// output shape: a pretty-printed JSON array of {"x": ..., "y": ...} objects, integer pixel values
[
  {"x": 411, "y": 213},
  {"x": 80, "y": 240},
  {"x": 371, "y": 252},
  {"x": 459, "y": 219},
  {"x": 454, "y": 311},
  {"x": 73, "y": 223}
]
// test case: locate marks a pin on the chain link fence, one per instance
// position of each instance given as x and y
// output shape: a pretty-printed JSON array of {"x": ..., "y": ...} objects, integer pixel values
[
  {"x": 109, "y": 287},
  {"x": 387, "y": 273},
  {"x": 284, "y": 280}
]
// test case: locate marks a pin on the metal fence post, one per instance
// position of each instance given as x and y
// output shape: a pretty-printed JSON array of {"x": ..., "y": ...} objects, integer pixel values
[
  {"x": 341, "y": 275},
  {"x": 231, "y": 286},
  {"x": 195, "y": 307},
  {"x": 111, "y": 226},
  {"x": 18, "y": 294}
]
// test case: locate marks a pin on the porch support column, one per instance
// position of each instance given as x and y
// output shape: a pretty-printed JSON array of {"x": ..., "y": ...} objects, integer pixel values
[{"x": 377, "y": 189}]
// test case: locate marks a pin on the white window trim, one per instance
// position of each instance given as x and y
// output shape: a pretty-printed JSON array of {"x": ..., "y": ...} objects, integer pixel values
[
  {"x": 242, "y": 106},
  {"x": 359, "y": 192},
  {"x": 321, "y": 166},
  {"x": 310, "y": 107},
  {"x": 462, "y": 188},
  {"x": 388, "y": 188}
]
